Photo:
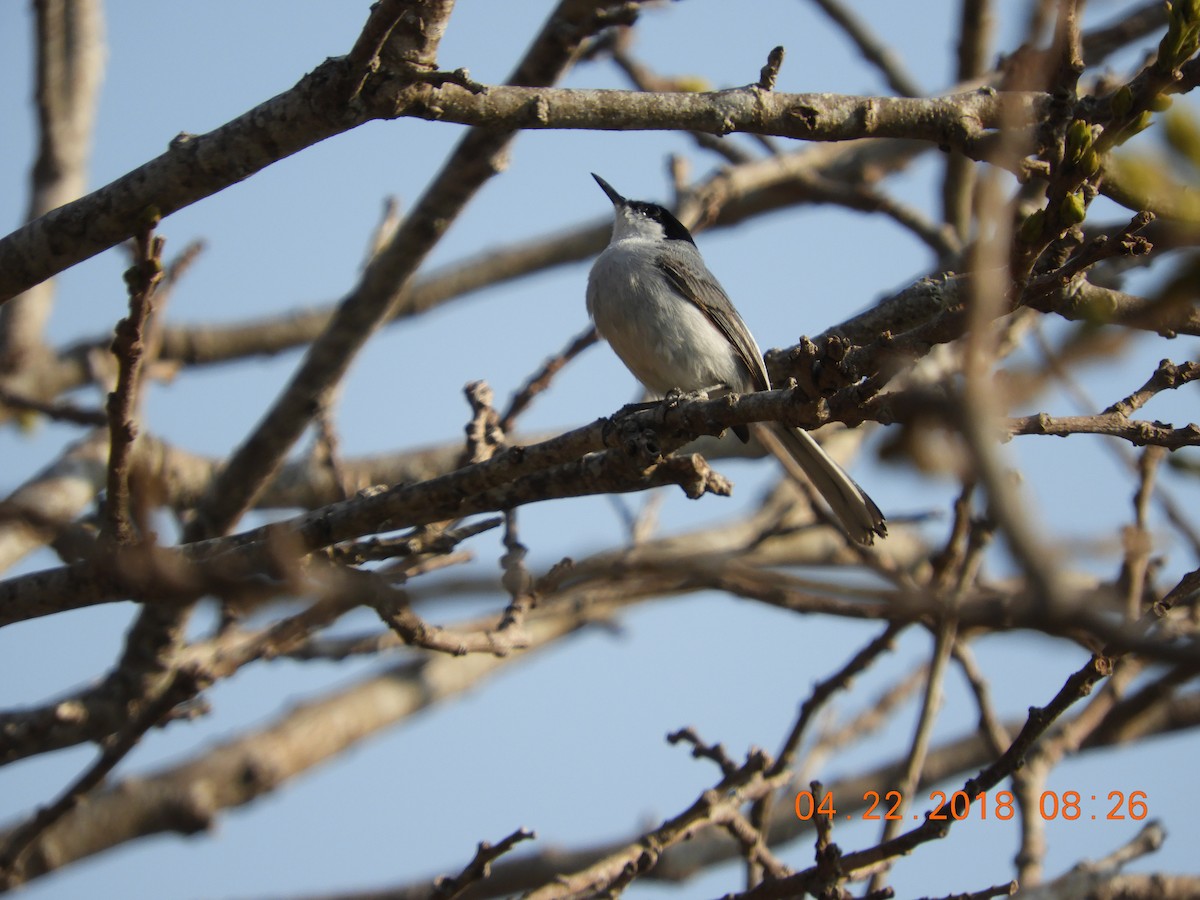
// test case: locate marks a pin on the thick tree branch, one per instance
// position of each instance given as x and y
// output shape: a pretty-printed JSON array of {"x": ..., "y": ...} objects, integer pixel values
[{"x": 197, "y": 166}]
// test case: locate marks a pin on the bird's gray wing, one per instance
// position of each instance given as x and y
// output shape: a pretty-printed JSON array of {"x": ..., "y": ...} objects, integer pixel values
[
  {"x": 796, "y": 449},
  {"x": 701, "y": 289}
]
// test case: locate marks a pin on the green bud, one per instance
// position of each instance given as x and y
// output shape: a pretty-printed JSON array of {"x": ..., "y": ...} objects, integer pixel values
[
  {"x": 1174, "y": 16},
  {"x": 1072, "y": 210},
  {"x": 1190, "y": 42},
  {"x": 1160, "y": 102},
  {"x": 149, "y": 217},
  {"x": 1079, "y": 139},
  {"x": 1141, "y": 123},
  {"x": 1030, "y": 231},
  {"x": 1090, "y": 164},
  {"x": 692, "y": 84}
]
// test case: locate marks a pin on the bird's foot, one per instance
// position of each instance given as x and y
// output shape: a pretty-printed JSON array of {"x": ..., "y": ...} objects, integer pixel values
[{"x": 675, "y": 396}]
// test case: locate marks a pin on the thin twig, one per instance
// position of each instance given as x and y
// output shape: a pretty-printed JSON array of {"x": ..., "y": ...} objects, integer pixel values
[
  {"x": 485, "y": 434},
  {"x": 480, "y": 867},
  {"x": 701, "y": 750},
  {"x": 516, "y": 580},
  {"x": 395, "y": 611},
  {"x": 129, "y": 348},
  {"x": 613, "y": 873},
  {"x": 931, "y": 702},
  {"x": 761, "y": 812},
  {"x": 998, "y": 890},
  {"x": 990, "y": 725},
  {"x": 59, "y": 411},
  {"x": 541, "y": 379},
  {"x": 1028, "y": 783},
  {"x": 958, "y": 184},
  {"x": 326, "y": 448}
]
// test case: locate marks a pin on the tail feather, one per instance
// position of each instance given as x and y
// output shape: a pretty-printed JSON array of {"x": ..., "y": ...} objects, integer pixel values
[{"x": 803, "y": 458}]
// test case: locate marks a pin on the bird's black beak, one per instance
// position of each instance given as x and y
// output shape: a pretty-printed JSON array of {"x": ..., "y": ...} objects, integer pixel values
[{"x": 616, "y": 198}]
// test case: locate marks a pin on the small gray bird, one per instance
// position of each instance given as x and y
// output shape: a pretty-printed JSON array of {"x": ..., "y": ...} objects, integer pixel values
[{"x": 672, "y": 324}]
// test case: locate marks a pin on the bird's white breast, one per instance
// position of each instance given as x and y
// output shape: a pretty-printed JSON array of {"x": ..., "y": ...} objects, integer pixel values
[{"x": 664, "y": 339}]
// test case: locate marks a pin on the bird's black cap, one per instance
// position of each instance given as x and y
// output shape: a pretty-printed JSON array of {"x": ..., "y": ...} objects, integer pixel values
[{"x": 673, "y": 229}]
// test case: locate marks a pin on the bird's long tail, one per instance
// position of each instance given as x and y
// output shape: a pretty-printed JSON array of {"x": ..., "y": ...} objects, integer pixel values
[{"x": 803, "y": 458}]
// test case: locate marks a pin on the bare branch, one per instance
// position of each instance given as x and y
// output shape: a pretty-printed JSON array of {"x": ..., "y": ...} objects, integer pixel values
[
  {"x": 183, "y": 685},
  {"x": 187, "y": 797},
  {"x": 70, "y": 65},
  {"x": 480, "y": 867},
  {"x": 129, "y": 347},
  {"x": 289, "y": 122}
]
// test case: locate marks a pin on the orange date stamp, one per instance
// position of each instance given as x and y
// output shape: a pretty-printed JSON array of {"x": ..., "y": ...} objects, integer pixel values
[{"x": 1069, "y": 806}]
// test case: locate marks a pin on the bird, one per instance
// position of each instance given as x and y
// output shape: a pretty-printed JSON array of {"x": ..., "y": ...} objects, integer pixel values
[{"x": 665, "y": 315}]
